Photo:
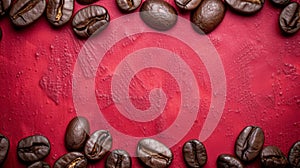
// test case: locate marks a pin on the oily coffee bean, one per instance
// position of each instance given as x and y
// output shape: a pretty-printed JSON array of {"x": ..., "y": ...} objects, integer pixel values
[
  {"x": 4, "y": 5},
  {"x": 208, "y": 16},
  {"x": 25, "y": 12},
  {"x": 4, "y": 148},
  {"x": 158, "y": 14},
  {"x": 289, "y": 19},
  {"x": 294, "y": 155},
  {"x": 247, "y": 7},
  {"x": 153, "y": 153},
  {"x": 86, "y": 2},
  {"x": 249, "y": 143},
  {"x": 33, "y": 148},
  {"x": 228, "y": 161},
  {"x": 99, "y": 144},
  {"x": 77, "y": 133},
  {"x": 272, "y": 157},
  {"x": 118, "y": 159},
  {"x": 71, "y": 160},
  {"x": 187, "y": 4},
  {"x": 194, "y": 154},
  {"x": 128, "y": 5},
  {"x": 39, "y": 164},
  {"x": 280, "y": 3},
  {"x": 59, "y": 12},
  {"x": 90, "y": 20}
]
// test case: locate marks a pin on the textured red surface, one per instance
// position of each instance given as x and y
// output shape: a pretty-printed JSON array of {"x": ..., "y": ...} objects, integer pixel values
[{"x": 261, "y": 67}]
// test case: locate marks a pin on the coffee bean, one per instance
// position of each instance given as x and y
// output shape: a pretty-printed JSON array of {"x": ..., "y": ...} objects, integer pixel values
[
  {"x": 249, "y": 143},
  {"x": 90, "y": 20},
  {"x": 272, "y": 157},
  {"x": 289, "y": 19},
  {"x": 86, "y": 2},
  {"x": 294, "y": 155},
  {"x": 4, "y": 5},
  {"x": 4, "y": 148},
  {"x": 118, "y": 159},
  {"x": 77, "y": 133},
  {"x": 71, "y": 160},
  {"x": 187, "y": 4},
  {"x": 208, "y": 16},
  {"x": 280, "y": 3},
  {"x": 158, "y": 14},
  {"x": 99, "y": 144},
  {"x": 127, "y": 6},
  {"x": 59, "y": 12},
  {"x": 228, "y": 161},
  {"x": 33, "y": 148},
  {"x": 194, "y": 153},
  {"x": 153, "y": 153},
  {"x": 25, "y": 12},
  {"x": 246, "y": 7},
  {"x": 39, "y": 164}
]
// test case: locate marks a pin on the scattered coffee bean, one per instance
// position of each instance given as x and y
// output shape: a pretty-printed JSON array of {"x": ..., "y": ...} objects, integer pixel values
[
  {"x": 127, "y": 6},
  {"x": 4, "y": 5},
  {"x": 39, "y": 164},
  {"x": 86, "y": 2},
  {"x": 118, "y": 159},
  {"x": 25, "y": 12},
  {"x": 289, "y": 19},
  {"x": 158, "y": 14},
  {"x": 59, "y": 12},
  {"x": 187, "y": 4},
  {"x": 280, "y": 3},
  {"x": 90, "y": 20},
  {"x": 249, "y": 143},
  {"x": 33, "y": 148},
  {"x": 247, "y": 7},
  {"x": 272, "y": 157},
  {"x": 294, "y": 155},
  {"x": 77, "y": 133},
  {"x": 208, "y": 16},
  {"x": 153, "y": 153},
  {"x": 99, "y": 144},
  {"x": 194, "y": 153},
  {"x": 4, "y": 148},
  {"x": 71, "y": 160},
  {"x": 228, "y": 161}
]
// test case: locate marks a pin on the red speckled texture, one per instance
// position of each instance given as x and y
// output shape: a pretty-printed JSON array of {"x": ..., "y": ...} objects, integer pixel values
[{"x": 262, "y": 70}]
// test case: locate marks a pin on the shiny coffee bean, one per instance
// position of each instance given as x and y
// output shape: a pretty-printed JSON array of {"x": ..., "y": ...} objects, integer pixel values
[
  {"x": 90, "y": 20},
  {"x": 158, "y": 14},
  {"x": 59, "y": 12},
  {"x": 153, "y": 153},
  {"x": 25, "y": 12},
  {"x": 71, "y": 160},
  {"x": 194, "y": 154},
  {"x": 33, "y": 148},
  {"x": 247, "y": 7},
  {"x": 272, "y": 157},
  {"x": 208, "y": 16},
  {"x": 249, "y": 143},
  {"x": 294, "y": 155},
  {"x": 118, "y": 159},
  {"x": 280, "y": 3},
  {"x": 86, "y": 2},
  {"x": 4, "y": 5},
  {"x": 187, "y": 4},
  {"x": 99, "y": 144},
  {"x": 39, "y": 164},
  {"x": 289, "y": 19},
  {"x": 228, "y": 161},
  {"x": 4, "y": 148},
  {"x": 127, "y": 6},
  {"x": 77, "y": 133}
]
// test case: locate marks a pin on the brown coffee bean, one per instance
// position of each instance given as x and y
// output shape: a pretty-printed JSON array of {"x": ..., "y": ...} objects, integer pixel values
[
  {"x": 39, "y": 164},
  {"x": 272, "y": 157},
  {"x": 246, "y": 7},
  {"x": 59, "y": 12},
  {"x": 118, "y": 159},
  {"x": 294, "y": 155},
  {"x": 194, "y": 153},
  {"x": 187, "y": 4},
  {"x": 127, "y": 6},
  {"x": 71, "y": 160},
  {"x": 4, "y": 6},
  {"x": 4, "y": 148},
  {"x": 228, "y": 161},
  {"x": 289, "y": 19}
]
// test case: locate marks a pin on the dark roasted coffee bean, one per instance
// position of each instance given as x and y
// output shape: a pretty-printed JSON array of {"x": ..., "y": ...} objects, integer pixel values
[
  {"x": 77, "y": 133},
  {"x": 59, "y": 12},
  {"x": 158, "y": 14},
  {"x": 90, "y": 20},
  {"x": 228, "y": 161},
  {"x": 39, "y": 164},
  {"x": 280, "y": 3},
  {"x": 33, "y": 148},
  {"x": 294, "y": 155},
  {"x": 86, "y": 2},
  {"x": 272, "y": 157},
  {"x": 71, "y": 160},
  {"x": 153, "y": 153},
  {"x": 4, "y": 148},
  {"x": 187, "y": 4},
  {"x": 25, "y": 12},
  {"x": 99, "y": 144},
  {"x": 249, "y": 143},
  {"x": 194, "y": 154},
  {"x": 118, "y": 159},
  {"x": 4, "y": 5},
  {"x": 208, "y": 16},
  {"x": 289, "y": 19},
  {"x": 128, "y": 5},
  {"x": 247, "y": 7}
]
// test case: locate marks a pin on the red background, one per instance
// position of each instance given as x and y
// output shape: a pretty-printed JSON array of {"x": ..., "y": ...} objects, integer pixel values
[{"x": 261, "y": 67}]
